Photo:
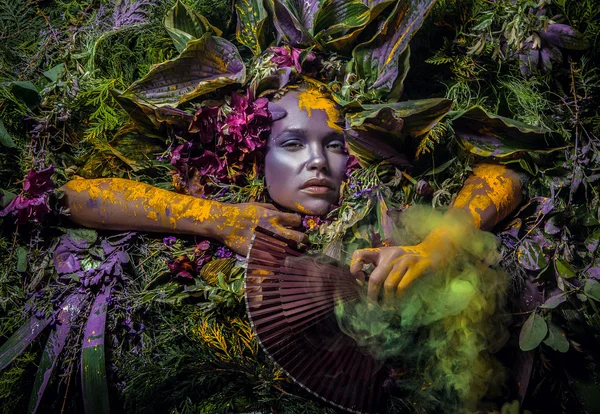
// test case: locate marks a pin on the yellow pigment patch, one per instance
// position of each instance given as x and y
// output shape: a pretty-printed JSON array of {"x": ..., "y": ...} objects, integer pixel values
[{"x": 313, "y": 99}]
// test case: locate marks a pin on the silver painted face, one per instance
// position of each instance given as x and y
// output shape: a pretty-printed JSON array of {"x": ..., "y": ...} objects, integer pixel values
[{"x": 306, "y": 158}]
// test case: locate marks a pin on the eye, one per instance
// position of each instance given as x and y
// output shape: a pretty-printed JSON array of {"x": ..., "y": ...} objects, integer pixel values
[
  {"x": 292, "y": 144},
  {"x": 337, "y": 145}
]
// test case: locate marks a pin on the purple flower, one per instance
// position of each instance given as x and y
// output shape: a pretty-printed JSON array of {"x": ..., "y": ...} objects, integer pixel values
[
  {"x": 209, "y": 163},
  {"x": 182, "y": 268},
  {"x": 205, "y": 123},
  {"x": 423, "y": 188},
  {"x": 27, "y": 209},
  {"x": 169, "y": 241},
  {"x": 223, "y": 252},
  {"x": 311, "y": 223},
  {"x": 287, "y": 56},
  {"x": 245, "y": 124},
  {"x": 39, "y": 182}
]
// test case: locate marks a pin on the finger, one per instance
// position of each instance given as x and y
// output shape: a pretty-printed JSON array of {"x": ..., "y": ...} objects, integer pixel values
[
  {"x": 288, "y": 219},
  {"x": 361, "y": 257},
  {"x": 390, "y": 284},
  {"x": 376, "y": 281},
  {"x": 297, "y": 236},
  {"x": 413, "y": 273}
]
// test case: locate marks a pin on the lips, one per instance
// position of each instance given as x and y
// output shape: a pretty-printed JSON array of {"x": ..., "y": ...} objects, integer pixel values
[{"x": 317, "y": 186}]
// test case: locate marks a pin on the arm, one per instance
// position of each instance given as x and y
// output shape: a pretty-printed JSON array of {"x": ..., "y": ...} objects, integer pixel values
[
  {"x": 118, "y": 204},
  {"x": 488, "y": 196}
]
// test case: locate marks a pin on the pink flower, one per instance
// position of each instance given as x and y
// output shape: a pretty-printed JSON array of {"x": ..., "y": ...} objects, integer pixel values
[
  {"x": 205, "y": 123},
  {"x": 28, "y": 209},
  {"x": 287, "y": 56},
  {"x": 244, "y": 126},
  {"x": 39, "y": 182}
]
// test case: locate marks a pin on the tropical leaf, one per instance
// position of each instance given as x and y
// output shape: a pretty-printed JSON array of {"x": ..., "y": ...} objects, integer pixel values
[
  {"x": 338, "y": 16},
  {"x": 382, "y": 61},
  {"x": 184, "y": 24},
  {"x": 93, "y": 367},
  {"x": 294, "y": 20},
  {"x": 56, "y": 342},
  {"x": 557, "y": 339},
  {"x": 206, "y": 64},
  {"x": 531, "y": 256},
  {"x": 413, "y": 118},
  {"x": 366, "y": 145},
  {"x": 349, "y": 37},
  {"x": 17, "y": 343},
  {"x": 492, "y": 135},
  {"x": 252, "y": 25}
]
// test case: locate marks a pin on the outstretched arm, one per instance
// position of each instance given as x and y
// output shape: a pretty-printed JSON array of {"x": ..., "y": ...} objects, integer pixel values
[
  {"x": 488, "y": 196},
  {"x": 119, "y": 204}
]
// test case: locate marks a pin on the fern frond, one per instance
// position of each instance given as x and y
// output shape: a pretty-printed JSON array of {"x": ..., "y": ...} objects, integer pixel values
[{"x": 431, "y": 139}]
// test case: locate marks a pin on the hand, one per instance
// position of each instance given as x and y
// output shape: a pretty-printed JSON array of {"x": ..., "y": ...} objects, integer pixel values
[
  {"x": 238, "y": 222},
  {"x": 396, "y": 268}
]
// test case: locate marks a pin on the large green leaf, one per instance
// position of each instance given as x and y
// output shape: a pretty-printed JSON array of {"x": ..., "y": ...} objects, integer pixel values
[
  {"x": 381, "y": 61},
  {"x": 21, "y": 339},
  {"x": 337, "y": 16},
  {"x": 294, "y": 19},
  {"x": 491, "y": 135},
  {"x": 56, "y": 342},
  {"x": 5, "y": 138},
  {"x": 557, "y": 339},
  {"x": 184, "y": 24},
  {"x": 206, "y": 64},
  {"x": 93, "y": 367},
  {"x": 412, "y": 118},
  {"x": 252, "y": 25}
]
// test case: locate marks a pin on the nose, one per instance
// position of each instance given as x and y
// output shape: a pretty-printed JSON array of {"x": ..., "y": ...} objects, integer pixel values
[{"x": 318, "y": 160}]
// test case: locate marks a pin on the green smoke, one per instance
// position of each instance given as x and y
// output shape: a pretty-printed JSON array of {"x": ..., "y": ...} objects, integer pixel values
[{"x": 441, "y": 332}]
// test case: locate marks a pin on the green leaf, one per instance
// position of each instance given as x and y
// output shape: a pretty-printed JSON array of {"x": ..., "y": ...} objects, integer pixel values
[
  {"x": 5, "y": 138},
  {"x": 207, "y": 64},
  {"x": 531, "y": 256},
  {"x": 252, "y": 25},
  {"x": 87, "y": 237},
  {"x": 338, "y": 16},
  {"x": 533, "y": 332},
  {"x": 382, "y": 61},
  {"x": 21, "y": 339},
  {"x": 294, "y": 20},
  {"x": 553, "y": 301},
  {"x": 184, "y": 24},
  {"x": 556, "y": 338},
  {"x": 563, "y": 269},
  {"x": 489, "y": 135},
  {"x": 592, "y": 289},
  {"x": 21, "y": 254},
  {"x": 93, "y": 367},
  {"x": 26, "y": 92},
  {"x": 54, "y": 72}
]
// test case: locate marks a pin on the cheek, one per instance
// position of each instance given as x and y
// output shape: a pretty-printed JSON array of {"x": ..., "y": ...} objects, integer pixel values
[{"x": 279, "y": 169}]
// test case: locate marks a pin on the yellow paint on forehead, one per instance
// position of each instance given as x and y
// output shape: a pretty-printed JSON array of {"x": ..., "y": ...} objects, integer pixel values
[{"x": 313, "y": 99}]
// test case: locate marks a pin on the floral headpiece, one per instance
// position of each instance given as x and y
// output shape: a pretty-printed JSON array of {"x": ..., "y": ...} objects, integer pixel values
[{"x": 356, "y": 51}]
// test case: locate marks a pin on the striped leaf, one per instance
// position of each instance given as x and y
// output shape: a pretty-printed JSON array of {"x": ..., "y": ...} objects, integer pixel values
[
  {"x": 206, "y": 64},
  {"x": 495, "y": 136},
  {"x": 294, "y": 20},
  {"x": 19, "y": 341},
  {"x": 93, "y": 367},
  {"x": 56, "y": 342},
  {"x": 252, "y": 25},
  {"x": 337, "y": 16},
  {"x": 184, "y": 24},
  {"x": 382, "y": 61}
]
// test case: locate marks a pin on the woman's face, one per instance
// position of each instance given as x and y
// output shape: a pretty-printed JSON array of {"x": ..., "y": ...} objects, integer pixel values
[{"x": 306, "y": 154}]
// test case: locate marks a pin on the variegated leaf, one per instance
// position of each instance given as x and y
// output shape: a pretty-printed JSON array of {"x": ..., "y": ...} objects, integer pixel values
[
  {"x": 381, "y": 61},
  {"x": 252, "y": 25},
  {"x": 184, "y": 24},
  {"x": 206, "y": 64}
]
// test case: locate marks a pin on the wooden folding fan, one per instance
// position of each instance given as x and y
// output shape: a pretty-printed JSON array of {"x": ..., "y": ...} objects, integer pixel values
[{"x": 290, "y": 297}]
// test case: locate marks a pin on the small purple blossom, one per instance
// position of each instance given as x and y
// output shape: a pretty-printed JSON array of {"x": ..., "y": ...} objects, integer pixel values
[
  {"x": 223, "y": 252},
  {"x": 206, "y": 123},
  {"x": 244, "y": 126},
  {"x": 423, "y": 188},
  {"x": 28, "y": 209},
  {"x": 170, "y": 240}
]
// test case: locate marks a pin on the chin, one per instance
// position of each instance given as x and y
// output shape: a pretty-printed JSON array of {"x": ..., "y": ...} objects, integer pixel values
[{"x": 313, "y": 207}]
